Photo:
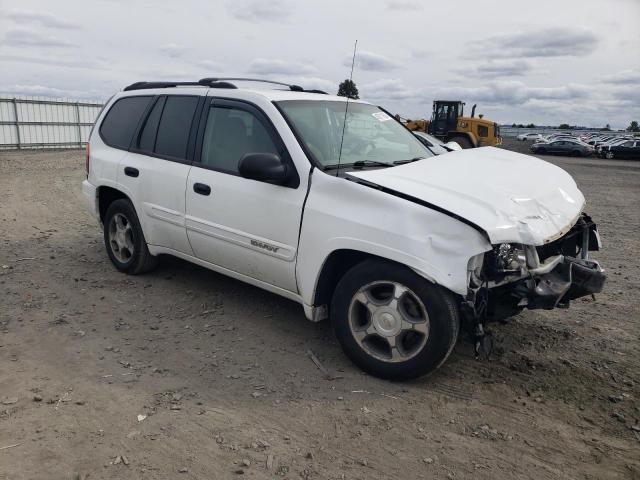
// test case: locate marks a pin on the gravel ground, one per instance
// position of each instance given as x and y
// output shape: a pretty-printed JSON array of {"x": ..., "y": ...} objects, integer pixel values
[{"x": 184, "y": 373}]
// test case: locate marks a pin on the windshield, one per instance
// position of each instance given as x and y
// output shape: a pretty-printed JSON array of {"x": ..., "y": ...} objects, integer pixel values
[{"x": 370, "y": 135}]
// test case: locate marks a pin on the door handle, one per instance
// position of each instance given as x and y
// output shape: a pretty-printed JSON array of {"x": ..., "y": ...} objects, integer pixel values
[
  {"x": 131, "y": 172},
  {"x": 201, "y": 188}
]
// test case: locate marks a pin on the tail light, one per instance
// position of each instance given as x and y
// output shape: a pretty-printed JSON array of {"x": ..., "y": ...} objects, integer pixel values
[{"x": 86, "y": 160}]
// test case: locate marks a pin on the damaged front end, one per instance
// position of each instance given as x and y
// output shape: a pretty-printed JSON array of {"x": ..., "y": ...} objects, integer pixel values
[{"x": 511, "y": 277}]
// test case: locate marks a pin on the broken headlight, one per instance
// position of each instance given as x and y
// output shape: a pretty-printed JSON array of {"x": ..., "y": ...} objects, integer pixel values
[
  {"x": 505, "y": 259},
  {"x": 510, "y": 256}
]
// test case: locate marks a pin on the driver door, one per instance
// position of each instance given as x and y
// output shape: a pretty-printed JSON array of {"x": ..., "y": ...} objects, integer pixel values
[{"x": 244, "y": 226}]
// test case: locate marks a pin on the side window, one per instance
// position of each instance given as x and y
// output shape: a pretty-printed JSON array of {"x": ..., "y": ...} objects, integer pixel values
[
  {"x": 175, "y": 125},
  {"x": 147, "y": 140},
  {"x": 627, "y": 144},
  {"x": 119, "y": 125},
  {"x": 230, "y": 134},
  {"x": 483, "y": 130}
]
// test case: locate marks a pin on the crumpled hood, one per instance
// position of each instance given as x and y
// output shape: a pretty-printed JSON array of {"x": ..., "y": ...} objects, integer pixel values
[{"x": 513, "y": 197}]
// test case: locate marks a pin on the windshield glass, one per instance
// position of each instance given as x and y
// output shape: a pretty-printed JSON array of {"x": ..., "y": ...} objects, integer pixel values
[{"x": 369, "y": 135}]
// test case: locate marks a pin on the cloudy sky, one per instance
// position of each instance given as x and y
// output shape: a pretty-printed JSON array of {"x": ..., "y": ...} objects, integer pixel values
[{"x": 541, "y": 61}]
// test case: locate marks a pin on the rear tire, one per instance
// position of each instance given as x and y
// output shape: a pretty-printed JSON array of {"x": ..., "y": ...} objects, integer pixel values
[
  {"x": 610, "y": 155},
  {"x": 124, "y": 239},
  {"x": 391, "y": 322},
  {"x": 464, "y": 142}
]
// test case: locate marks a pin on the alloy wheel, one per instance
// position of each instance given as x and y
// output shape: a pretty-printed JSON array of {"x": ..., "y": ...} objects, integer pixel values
[
  {"x": 121, "y": 238},
  {"x": 388, "y": 321}
]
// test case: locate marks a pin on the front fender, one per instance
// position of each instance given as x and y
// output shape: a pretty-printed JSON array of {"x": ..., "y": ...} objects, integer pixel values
[{"x": 344, "y": 215}]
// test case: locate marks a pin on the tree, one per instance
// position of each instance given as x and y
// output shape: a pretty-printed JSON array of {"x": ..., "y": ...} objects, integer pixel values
[
  {"x": 633, "y": 127},
  {"x": 564, "y": 126},
  {"x": 348, "y": 89},
  {"x": 607, "y": 127},
  {"x": 531, "y": 125}
]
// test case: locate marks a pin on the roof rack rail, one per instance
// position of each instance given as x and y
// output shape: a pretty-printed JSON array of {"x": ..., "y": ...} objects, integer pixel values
[
  {"x": 201, "y": 83},
  {"x": 214, "y": 83},
  {"x": 293, "y": 88}
]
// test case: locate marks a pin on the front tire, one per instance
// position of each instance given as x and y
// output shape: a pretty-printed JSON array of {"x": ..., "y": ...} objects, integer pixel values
[
  {"x": 124, "y": 239},
  {"x": 391, "y": 322}
]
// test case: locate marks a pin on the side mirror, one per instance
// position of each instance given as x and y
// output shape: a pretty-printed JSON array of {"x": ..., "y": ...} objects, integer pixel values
[
  {"x": 453, "y": 146},
  {"x": 264, "y": 167}
]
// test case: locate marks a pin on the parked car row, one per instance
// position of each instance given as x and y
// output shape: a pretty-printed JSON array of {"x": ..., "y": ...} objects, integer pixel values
[{"x": 609, "y": 145}]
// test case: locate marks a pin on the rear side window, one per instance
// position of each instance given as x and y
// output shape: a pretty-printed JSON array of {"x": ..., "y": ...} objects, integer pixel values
[
  {"x": 483, "y": 130},
  {"x": 119, "y": 125},
  {"x": 175, "y": 126},
  {"x": 148, "y": 134}
]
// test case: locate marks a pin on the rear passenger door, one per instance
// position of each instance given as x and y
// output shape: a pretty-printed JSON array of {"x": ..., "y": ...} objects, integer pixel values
[
  {"x": 245, "y": 226},
  {"x": 156, "y": 168}
]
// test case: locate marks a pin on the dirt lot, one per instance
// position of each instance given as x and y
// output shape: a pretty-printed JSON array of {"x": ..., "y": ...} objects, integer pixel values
[{"x": 221, "y": 372}]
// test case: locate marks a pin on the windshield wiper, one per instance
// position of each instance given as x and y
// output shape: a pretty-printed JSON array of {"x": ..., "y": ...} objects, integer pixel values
[
  {"x": 362, "y": 163},
  {"x": 358, "y": 164},
  {"x": 415, "y": 159}
]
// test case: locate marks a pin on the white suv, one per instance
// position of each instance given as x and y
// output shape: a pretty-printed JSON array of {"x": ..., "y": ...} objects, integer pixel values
[{"x": 339, "y": 207}]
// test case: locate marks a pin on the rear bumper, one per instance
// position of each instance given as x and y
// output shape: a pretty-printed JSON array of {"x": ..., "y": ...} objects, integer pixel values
[{"x": 90, "y": 197}]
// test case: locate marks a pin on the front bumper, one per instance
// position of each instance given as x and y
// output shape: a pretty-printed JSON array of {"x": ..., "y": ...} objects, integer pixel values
[
  {"x": 513, "y": 277},
  {"x": 572, "y": 278}
]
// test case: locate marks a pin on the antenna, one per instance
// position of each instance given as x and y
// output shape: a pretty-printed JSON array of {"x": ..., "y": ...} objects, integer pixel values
[{"x": 346, "y": 108}]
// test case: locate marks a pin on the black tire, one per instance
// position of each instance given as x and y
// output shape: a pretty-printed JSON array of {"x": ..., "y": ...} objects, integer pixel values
[
  {"x": 140, "y": 260},
  {"x": 443, "y": 320},
  {"x": 541, "y": 151},
  {"x": 577, "y": 153},
  {"x": 464, "y": 142}
]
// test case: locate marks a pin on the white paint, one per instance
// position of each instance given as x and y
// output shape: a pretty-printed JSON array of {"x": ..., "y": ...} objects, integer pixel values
[
  {"x": 513, "y": 197},
  {"x": 252, "y": 230}
]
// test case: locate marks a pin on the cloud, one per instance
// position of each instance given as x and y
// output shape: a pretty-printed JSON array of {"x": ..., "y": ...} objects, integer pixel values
[
  {"x": 626, "y": 77},
  {"x": 390, "y": 89},
  {"x": 403, "y": 5},
  {"x": 82, "y": 64},
  {"x": 258, "y": 10},
  {"x": 514, "y": 93},
  {"x": 263, "y": 66},
  {"x": 371, "y": 62},
  {"x": 27, "y": 38},
  {"x": 421, "y": 53},
  {"x": 44, "y": 91},
  {"x": 173, "y": 50},
  {"x": 209, "y": 65},
  {"x": 499, "y": 68},
  {"x": 44, "y": 19},
  {"x": 548, "y": 42}
]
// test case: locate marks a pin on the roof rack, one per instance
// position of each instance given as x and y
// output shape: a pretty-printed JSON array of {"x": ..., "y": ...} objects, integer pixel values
[
  {"x": 202, "y": 83},
  {"x": 293, "y": 88},
  {"x": 215, "y": 83}
]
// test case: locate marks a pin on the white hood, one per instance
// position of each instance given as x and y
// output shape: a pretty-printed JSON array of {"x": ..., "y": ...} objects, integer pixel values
[{"x": 513, "y": 197}]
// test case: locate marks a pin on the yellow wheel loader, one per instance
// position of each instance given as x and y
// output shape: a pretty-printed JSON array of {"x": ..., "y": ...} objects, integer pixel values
[{"x": 449, "y": 124}]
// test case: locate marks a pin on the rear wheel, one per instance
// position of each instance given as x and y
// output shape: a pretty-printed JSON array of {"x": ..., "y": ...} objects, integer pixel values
[
  {"x": 391, "y": 322},
  {"x": 610, "y": 155},
  {"x": 464, "y": 142},
  {"x": 124, "y": 240},
  {"x": 576, "y": 153}
]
